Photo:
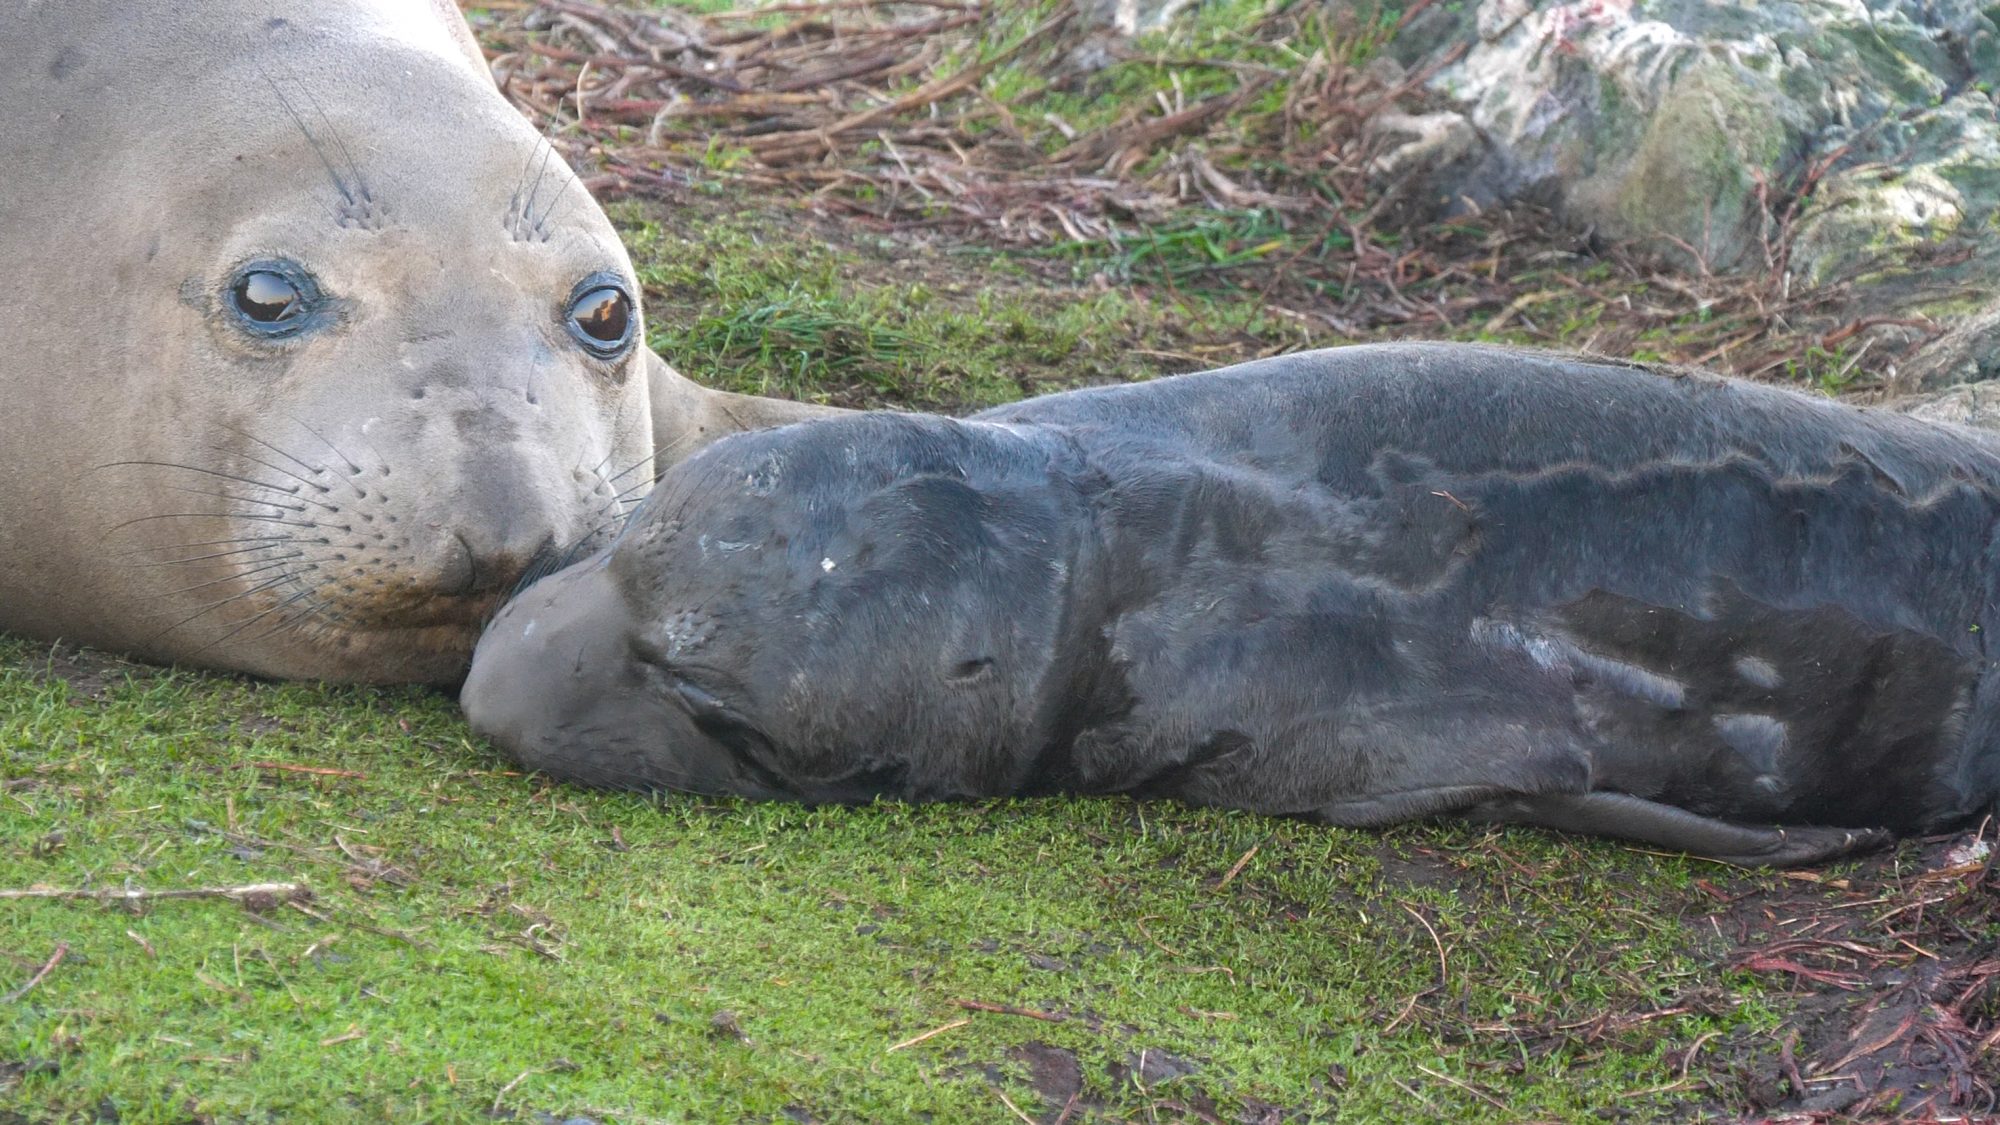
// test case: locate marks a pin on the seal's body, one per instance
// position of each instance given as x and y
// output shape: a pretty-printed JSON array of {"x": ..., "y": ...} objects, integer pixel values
[
  {"x": 309, "y": 342},
  {"x": 1363, "y": 585}
]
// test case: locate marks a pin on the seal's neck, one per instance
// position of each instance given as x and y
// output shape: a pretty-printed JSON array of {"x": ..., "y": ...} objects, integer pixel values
[{"x": 688, "y": 416}]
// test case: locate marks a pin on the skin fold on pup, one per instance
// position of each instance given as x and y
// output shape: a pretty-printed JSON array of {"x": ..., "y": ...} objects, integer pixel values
[{"x": 1363, "y": 585}]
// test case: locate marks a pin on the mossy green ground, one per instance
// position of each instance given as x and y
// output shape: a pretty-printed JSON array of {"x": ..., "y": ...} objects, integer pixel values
[{"x": 478, "y": 939}]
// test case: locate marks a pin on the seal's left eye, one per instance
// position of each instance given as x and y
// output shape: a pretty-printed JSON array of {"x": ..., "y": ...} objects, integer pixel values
[
  {"x": 274, "y": 298},
  {"x": 267, "y": 297},
  {"x": 601, "y": 317}
]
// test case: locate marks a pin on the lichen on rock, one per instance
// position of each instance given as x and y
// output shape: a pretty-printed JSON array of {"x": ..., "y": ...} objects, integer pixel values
[{"x": 1708, "y": 131}]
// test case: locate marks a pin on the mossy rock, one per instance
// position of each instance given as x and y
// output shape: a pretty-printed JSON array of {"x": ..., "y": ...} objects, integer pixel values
[{"x": 1698, "y": 130}]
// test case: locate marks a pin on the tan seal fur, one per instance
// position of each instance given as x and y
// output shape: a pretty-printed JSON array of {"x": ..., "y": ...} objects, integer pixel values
[{"x": 346, "y": 492}]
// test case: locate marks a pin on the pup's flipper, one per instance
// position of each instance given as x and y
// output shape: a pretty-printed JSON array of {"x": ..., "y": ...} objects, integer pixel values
[{"x": 1648, "y": 822}]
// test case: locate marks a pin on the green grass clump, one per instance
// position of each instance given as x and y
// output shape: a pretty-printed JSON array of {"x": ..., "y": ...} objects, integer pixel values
[
  {"x": 476, "y": 939},
  {"x": 760, "y": 307}
]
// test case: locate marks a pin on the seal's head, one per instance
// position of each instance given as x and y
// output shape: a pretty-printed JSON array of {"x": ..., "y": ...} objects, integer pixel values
[
  {"x": 310, "y": 343},
  {"x": 869, "y": 605}
]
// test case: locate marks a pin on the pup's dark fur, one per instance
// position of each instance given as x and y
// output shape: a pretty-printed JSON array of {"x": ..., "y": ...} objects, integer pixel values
[{"x": 1361, "y": 585}]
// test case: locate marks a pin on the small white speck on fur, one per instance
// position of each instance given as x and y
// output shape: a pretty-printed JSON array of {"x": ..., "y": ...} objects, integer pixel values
[{"x": 827, "y": 564}]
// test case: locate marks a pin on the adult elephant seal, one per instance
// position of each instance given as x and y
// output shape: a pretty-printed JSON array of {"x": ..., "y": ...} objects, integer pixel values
[
  {"x": 309, "y": 343},
  {"x": 1363, "y": 585}
]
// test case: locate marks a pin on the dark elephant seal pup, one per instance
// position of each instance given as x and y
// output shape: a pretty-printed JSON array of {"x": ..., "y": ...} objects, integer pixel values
[
  {"x": 309, "y": 342},
  {"x": 1363, "y": 585}
]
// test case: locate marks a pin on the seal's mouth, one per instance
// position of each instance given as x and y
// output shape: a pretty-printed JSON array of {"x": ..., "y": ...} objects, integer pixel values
[
  {"x": 404, "y": 611},
  {"x": 467, "y": 611},
  {"x": 409, "y": 638},
  {"x": 428, "y": 641},
  {"x": 466, "y": 598}
]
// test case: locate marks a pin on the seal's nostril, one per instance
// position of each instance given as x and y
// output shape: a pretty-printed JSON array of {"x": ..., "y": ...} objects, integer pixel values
[
  {"x": 502, "y": 567},
  {"x": 460, "y": 572}
]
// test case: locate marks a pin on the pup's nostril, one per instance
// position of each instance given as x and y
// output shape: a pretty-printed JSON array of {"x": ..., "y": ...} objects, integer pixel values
[{"x": 968, "y": 670}]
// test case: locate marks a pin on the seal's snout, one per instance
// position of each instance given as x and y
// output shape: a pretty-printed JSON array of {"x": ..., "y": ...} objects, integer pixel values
[
  {"x": 477, "y": 561},
  {"x": 462, "y": 566},
  {"x": 549, "y": 669}
]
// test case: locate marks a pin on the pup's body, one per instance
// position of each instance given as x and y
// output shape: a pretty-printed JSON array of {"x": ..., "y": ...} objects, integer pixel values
[{"x": 1363, "y": 585}]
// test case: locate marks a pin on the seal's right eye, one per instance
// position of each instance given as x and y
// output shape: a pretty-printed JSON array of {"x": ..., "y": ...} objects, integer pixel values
[
  {"x": 272, "y": 298},
  {"x": 267, "y": 298},
  {"x": 604, "y": 315}
]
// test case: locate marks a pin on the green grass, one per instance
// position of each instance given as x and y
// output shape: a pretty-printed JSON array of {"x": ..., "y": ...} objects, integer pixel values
[
  {"x": 1200, "y": 249},
  {"x": 477, "y": 939},
  {"x": 750, "y": 304}
]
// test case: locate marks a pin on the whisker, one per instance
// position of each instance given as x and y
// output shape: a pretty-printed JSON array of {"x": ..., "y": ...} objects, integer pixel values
[
  {"x": 248, "y": 436},
  {"x": 381, "y": 462},
  {"x": 213, "y": 606},
  {"x": 351, "y": 466},
  {"x": 295, "y": 620},
  {"x": 535, "y": 190},
  {"x": 208, "y": 558},
  {"x": 675, "y": 444},
  {"x": 218, "y": 543},
  {"x": 312, "y": 484},
  {"x": 545, "y": 564},
  {"x": 635, "y": 493},
  {"x": 562, "y": 194},
  {"x": 515, "y": 201},
  {"x": 251, "y": 481},
  {"x": 641, "y": 463},
  {"x": 353, "y": 169},
  {"x": 212, "y": 516},
  {"x": 272, "y": 565},
  {"x": 231, "y": 633},
  {"x": 325, "y": 161},
  {"x": 239, "y": 499}
]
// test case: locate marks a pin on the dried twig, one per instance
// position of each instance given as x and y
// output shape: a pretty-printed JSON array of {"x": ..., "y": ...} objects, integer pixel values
[
  {"x": 1009, "y": 1010},
  {"x": 321, "y": 771},
  {"x": 62, "y": 951},
  {"x": 279, "y": 892},
  {"x": 1467, "y": 1087},
  {"x": 1009, "y": 1103},
  {"x": 1444, "y": 967},
  {"x": 940, "y": 1030},
  {"x": 1236, "y": 868}
]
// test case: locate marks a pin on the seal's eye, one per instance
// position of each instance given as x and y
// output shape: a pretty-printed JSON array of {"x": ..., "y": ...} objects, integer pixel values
[
  {"x": 273, "y": 298},
  {"x": 600, "y": 317},
  {"x": 267, "y": 298},
  {"x": 605, "y": 315}
]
